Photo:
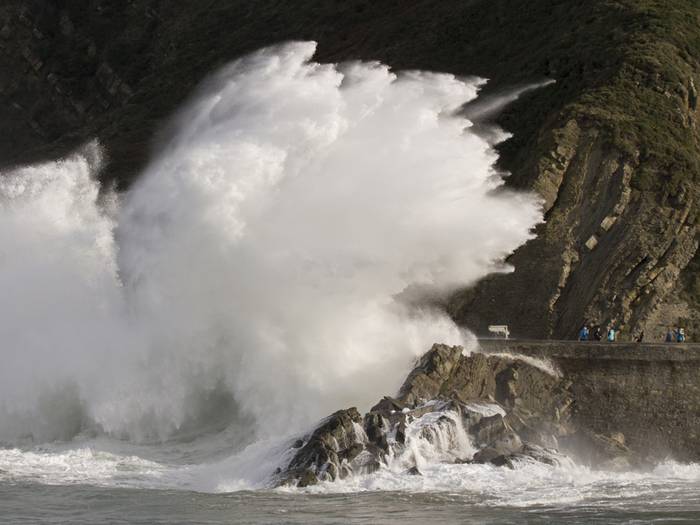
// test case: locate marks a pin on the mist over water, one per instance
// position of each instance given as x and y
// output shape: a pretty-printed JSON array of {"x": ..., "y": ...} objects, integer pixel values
[{"x": 251, "y": 278}]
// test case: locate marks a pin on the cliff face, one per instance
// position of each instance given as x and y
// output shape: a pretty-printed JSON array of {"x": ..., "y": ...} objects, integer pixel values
[{"x": 612, "y": 147}]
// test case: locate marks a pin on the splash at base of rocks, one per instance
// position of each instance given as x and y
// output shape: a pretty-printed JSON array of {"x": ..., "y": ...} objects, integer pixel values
[{"x": 455, "y": 408}]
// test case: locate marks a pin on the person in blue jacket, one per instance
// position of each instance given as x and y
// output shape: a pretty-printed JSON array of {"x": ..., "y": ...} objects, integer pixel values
[
  {"x": 583, "y": 333},
  {"x": 612, "y": 334},
  {"x": 680, "y": 335}
]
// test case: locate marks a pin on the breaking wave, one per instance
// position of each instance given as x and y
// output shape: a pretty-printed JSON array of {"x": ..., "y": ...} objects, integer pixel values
[
  {"x": 267, "y": 268},
  {"x": 256, "y": 275}
]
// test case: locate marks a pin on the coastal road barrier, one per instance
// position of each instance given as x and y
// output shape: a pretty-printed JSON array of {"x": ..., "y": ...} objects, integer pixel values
[{"x": 649, "y": 392}]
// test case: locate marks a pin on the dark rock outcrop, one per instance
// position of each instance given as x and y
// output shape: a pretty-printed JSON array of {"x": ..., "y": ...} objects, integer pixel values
[
  {"x": 511, "y": 409},
  {"x": 613, "y": 407},
  {"x": 327, "y": 453}
]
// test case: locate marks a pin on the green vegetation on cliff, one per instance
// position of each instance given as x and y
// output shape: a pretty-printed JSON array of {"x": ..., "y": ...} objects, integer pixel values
[{"x": 645, "y": 104}]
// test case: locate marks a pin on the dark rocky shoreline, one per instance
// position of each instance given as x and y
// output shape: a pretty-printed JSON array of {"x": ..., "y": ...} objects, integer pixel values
[{"x": 512, "y": 407}]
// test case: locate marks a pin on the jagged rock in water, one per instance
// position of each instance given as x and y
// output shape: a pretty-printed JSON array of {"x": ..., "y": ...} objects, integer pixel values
[
  {"x": 488, "y": 429},
  {"x": 326, "y": 452},
  {"x": 507, "y": 445},
  {"x": 375, "y": 430},
  {"x": 528, "y": 452},
  {"x": 512, "y": 411},
  {"x": 429, "y": 376}
]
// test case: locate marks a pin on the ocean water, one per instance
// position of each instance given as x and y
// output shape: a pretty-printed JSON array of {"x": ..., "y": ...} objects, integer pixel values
[{"x": 85, "y": 485}]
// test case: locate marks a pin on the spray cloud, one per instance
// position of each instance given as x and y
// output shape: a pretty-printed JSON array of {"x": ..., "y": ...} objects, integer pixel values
[{"x": 259, "y": 255}]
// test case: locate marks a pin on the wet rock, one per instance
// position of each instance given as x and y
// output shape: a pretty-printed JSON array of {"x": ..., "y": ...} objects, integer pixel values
[
  {"x": 528, "y": 452},
  {"x": 432, "y": 371},
  {"x": 401, "y": 432},
  {"x": 502, "y": 461},
  {"x": 351, "y": 452},
  {"x": 388, "y": 405},
  {"x": 511, "y": 409},
  {"x": 367, "y": 462},
  {"x": 541, "y": 454},
  {"x": 486, "y": 455},
  {"x": 413, "y": 471},
  {"x": 489, "y": 429},
  {"x": 376, "y": 430},
  {"x": 334, "y": 439},
  {"x": 307, "y": 478},
  {"x": 507, "y": 445},
  {"x": 329, "y": 471},
  {"x": 506, "y": 391}
]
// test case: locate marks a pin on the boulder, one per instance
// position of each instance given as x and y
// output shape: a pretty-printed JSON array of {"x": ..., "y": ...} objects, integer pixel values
[
  {"x": 506, "y": 445},
  {"x": 307, "y": 478},
  {"x": 489, "y": 429},
  {"x": 333, "y": 441},
  {"x": 432, "y": 371}
]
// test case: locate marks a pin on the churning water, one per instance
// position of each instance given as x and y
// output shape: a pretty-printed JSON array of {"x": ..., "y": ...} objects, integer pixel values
[{"x": 160, "y": 346}]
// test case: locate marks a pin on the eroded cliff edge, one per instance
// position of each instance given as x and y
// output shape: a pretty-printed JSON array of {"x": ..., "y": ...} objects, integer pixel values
[{"x": 609, "y": 406}]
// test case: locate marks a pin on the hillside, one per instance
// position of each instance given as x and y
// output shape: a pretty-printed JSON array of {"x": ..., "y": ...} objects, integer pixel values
[{"x": 613, "y": 146}]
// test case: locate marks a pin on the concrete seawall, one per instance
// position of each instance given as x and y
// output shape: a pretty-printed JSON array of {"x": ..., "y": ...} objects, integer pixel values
[{"x": 648, "y": 392}]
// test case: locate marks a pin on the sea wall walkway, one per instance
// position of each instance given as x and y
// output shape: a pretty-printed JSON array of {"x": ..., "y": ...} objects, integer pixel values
[
  {"x": 650, "y": 392},
  {"x": 595, "y": 349}
]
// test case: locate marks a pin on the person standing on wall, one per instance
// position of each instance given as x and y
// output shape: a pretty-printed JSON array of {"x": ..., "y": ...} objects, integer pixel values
[
  {"x": 583, "y": 333},
  {"x": 680, "y": 335},
  {"x": 612, "y": 334},
  {"x": 670, "y": 336},
  {"x": 598, "y": 333}
]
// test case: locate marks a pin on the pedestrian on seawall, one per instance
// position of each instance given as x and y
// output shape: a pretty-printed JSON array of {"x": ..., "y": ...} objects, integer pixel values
[
  {"x": 598, "y": 333},
  {"x": 680, "y": 335},
  {"x": 612, "y": 334},
  {"x": 583, "y": 333}
]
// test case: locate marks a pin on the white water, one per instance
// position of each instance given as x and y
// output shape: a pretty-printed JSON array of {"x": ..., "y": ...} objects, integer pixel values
[
  {"x": 250, "y": 280},
  {"x": 431, "y": 444},
  {"x": 256, "y": 261},
  {"x": 529, "y": 484}
]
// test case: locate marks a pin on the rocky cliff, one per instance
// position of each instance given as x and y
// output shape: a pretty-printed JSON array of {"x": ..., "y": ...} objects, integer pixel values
[{"x": 612, "y": 146}]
